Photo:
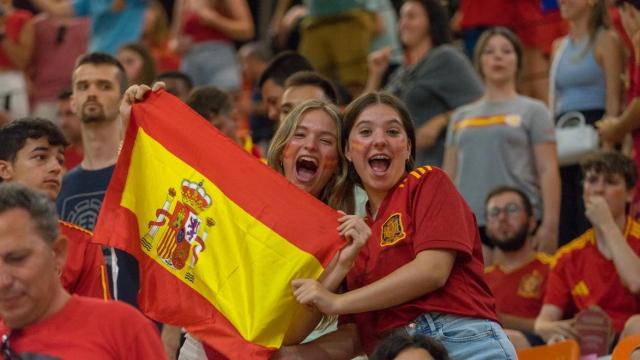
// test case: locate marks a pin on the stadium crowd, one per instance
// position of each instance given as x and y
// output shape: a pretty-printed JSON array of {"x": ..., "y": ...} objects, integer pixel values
[{"x": 442, "y": 131}]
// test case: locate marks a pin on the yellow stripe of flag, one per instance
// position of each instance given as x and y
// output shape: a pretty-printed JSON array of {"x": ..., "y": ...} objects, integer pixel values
[{"x": 245, "y": 267}]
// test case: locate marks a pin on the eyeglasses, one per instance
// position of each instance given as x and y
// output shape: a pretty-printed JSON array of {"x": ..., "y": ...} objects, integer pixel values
[{"x": 511, "y": 209}]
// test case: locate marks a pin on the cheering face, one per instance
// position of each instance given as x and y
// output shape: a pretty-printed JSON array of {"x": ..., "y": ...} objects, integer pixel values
[
  {"x": 379, "y": 148},
  {"x": 413, "y": 24},
  {"x": 508, "y": 224},
  {"x": 310, "y": 158},
  {"x": 499, "y": 60},
  {"x": 96, "y": 92},
  {"x": 38, "y": 165},
  {"x": 611, "y": 187},
  {"x": 28, "y": 270}
]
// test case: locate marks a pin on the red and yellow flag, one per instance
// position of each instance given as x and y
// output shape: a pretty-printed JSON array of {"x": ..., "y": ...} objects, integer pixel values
[{"x": 218, "y": 235}]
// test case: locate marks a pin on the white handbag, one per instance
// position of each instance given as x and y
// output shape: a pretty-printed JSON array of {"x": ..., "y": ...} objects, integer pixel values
[{"x": 574, "y": 138}]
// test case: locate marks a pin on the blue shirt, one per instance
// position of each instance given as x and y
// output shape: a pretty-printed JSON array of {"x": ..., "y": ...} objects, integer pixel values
[{"x": 111, "y": 29}]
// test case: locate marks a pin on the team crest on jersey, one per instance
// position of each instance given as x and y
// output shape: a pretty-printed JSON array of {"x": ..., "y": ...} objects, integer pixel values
[
  {"x": 178, "y": 233},
  {"x": 392, "y": 230},
  {"x": 531, "y": 285}
]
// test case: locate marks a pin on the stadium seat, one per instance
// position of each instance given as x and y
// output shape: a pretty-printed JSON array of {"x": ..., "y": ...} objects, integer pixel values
[
  {"x": 625, "y": 347},
  {"x": 565, "y": 350}
]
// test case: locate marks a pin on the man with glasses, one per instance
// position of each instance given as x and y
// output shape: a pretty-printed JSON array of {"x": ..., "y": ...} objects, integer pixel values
[
  {"x": 518, "y": 276},
  {"x": 601, "y": 267},
  {"x": 40, "y": 319}
]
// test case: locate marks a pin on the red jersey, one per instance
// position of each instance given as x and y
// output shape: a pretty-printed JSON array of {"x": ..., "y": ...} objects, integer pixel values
[
  {"x": 487, "y": 13},
  {"x": 580, "y": 277},
  {"x": 13, "y": 26},
  {"x": 519, "y": 292},
  {"x": 88, "y": 328},
  {"x": 72, "y": 156},
  {"x": 424, "y": 211},
  {"x": 84, "y": 271}
]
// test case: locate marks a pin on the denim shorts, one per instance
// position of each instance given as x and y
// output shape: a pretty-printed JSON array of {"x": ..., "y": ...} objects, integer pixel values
[{"x": 465, "y": 337}]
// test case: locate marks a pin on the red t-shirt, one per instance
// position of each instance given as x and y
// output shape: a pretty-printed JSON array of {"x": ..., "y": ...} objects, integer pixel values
[
  {"x": 84, "y": 270},
  {"x": 519, "y": 292},
  {"x": 200, "y": 31},
  {"x": 487, "y": 13},
  {"x": 88, "y": 328},
  {"x": 423, "y": 211},
  {"x": 13, "y": 26},
  {"x": 72, "y": 156},
  {"x": 580, "y": 277}
]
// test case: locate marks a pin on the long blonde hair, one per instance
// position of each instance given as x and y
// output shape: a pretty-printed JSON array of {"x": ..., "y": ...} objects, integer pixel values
[{"x": 336, "y": 193}]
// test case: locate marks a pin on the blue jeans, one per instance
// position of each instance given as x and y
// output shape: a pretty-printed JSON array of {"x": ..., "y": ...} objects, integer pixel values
[{"x": 465, "y": 337}]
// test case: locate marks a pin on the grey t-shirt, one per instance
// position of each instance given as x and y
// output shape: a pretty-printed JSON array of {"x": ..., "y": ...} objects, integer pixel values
[
  {"x": 441, "y": 82},
  {"x": 494, "y": 142}
]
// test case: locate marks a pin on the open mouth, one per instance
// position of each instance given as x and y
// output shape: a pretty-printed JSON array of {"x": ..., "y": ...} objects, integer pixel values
[
  {"x": 379, "y": 163},
  {"x": 306, "y": 168}
]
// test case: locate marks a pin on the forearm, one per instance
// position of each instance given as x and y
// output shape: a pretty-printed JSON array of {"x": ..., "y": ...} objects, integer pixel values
[
  {"x": 428, "y": 272},
  {"x": 373, "y": 82},
  {"x": 625, "y": 260},
  {"x": 630, "y": 118},
  {"x": 550, "y": 189},
  {"x": 516, "y": 322}
]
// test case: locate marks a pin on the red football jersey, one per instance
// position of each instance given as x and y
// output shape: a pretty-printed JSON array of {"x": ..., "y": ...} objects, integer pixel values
[
  {"x": 581, "y": 276},
  {"x": 520, "y": 292},
  {"x": 423, "y": 211},
  {"x": 84, "y": 270}
]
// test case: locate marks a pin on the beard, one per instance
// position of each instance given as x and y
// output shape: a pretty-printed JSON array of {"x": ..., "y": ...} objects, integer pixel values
[
  {"x": 514, "y": 242},
  {"x": 94, "y": 116}
]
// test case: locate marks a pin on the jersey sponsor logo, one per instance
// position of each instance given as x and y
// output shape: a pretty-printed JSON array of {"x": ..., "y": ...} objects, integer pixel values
[
  {"x": 183, "y": 232},
  {"x": 531, "y": 285},
  {"x": 392, "y": 230},
  {"x": 580, "y": 289}
]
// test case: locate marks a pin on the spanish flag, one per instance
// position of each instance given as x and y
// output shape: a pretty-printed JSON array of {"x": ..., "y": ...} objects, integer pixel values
[{"x": 218, "y": 235}]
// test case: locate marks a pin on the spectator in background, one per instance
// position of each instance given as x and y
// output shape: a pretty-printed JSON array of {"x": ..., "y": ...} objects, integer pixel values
[
  {"x": 272, "y": 80},
  {"x": 602, "y": 266},
  {"x": 156, "y": 36},
  {"x": 204, "y": 32},
  {"x": 435, "y": 79},
  {"x": 59, "y": 42},
  {"x": 69, "y": 123},
  {"x": 99, "y": 82},
  {"x": 177, "y": 83},
  {"x": 16, "y": 45},
  {"x": 138, "y": 63},
  {"x": 505, "y": 139},
  {"x": 32, "y": 155},
  {"x": 585, "y": 83},
  {"x": 341, "y": 58},
  {"x": 216, "y": 107},
  {"x": 254, "y": 58},
  {"x": 518, "y": 278},
  {"x": 113, "y": 22},
  {"x": 303, "y": 86}
]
